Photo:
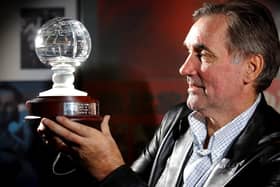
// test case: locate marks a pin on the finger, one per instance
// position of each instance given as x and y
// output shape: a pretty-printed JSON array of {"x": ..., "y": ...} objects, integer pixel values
[
  {"x": 44, "y": 133},
  {"x": 61, "y": 145},
  {"x": 45, "y": 139},
  {"x": 28, "y": 105},
  {"x": 41, "y": 128},
  {"x": 105, "y": 125},
  {"x": 78, "y": 128},
  {"x": 62, "y": 132}
]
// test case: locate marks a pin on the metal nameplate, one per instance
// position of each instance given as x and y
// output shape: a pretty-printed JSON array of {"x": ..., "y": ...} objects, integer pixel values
[{"x": 79, "y": 109}]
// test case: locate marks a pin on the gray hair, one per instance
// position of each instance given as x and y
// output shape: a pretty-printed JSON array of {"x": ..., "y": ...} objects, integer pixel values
[{"x": 251, "y": 30}]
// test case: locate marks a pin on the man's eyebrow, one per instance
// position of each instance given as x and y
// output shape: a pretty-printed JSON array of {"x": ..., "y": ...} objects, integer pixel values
[{"x": 200, "y": 47}]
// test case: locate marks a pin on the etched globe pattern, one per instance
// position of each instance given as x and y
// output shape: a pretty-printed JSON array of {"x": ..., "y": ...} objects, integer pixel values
[{"x": 63, "y": 41}]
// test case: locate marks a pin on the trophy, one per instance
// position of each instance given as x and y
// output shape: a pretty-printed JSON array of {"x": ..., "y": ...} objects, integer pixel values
[{"x": 64, "y": 44}]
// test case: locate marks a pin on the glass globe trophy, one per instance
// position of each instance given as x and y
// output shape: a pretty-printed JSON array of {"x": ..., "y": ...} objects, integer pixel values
[{"x": 64, "y": 44}]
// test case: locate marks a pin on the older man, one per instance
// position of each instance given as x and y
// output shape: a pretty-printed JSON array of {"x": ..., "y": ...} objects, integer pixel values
[{"x": 225, "y": 134}]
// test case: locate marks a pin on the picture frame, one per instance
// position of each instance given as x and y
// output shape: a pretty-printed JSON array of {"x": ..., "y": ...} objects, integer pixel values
[{"x": 19, "y": 60}]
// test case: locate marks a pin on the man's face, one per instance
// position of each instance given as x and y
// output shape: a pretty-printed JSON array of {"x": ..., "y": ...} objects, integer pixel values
[
  {"x": 215, "y": 81},
  {"x": 8, "y": 107}
]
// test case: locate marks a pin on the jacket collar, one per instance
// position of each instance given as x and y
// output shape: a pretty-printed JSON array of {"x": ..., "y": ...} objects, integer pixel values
[
  {"x": 258, "y": 132},
  {"x": 262, "y": 128},
  {"x": 261, "y": 131}
]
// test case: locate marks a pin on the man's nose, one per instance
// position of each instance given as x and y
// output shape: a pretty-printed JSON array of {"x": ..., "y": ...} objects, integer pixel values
[{"x": 189, "y": 66}]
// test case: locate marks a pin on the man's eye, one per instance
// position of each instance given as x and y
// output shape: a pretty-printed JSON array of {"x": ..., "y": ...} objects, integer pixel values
[
  {"x": 200, "y": 56},
  {"x": 205, "y": 57}
]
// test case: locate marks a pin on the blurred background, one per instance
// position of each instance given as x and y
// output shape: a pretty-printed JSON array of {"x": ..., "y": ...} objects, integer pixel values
[{"x": 132, "y": 71}]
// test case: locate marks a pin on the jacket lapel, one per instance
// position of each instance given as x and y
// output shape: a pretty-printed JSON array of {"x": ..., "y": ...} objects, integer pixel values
[
  {"x": 178, "y": 127},
  {"x": 171, "y": 175},
  {"x": 221, "y": 174},
  {"x": 244, "y": 150},
  {"x": 247, "y": 142}
]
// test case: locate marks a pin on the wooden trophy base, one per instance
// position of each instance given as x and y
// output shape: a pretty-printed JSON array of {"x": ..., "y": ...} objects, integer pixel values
[{"x": 82, "y": 109}]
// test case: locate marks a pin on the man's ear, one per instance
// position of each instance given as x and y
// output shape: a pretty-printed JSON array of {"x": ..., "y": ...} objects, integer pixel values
[{"x": 254, "y": 66}]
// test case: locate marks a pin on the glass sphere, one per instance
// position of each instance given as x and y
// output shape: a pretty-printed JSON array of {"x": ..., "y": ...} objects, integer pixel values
[{"x": 62, "y": 40}]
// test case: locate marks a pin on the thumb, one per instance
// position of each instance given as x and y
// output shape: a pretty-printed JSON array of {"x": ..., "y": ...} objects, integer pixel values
[{"x": 105, "y": 125}]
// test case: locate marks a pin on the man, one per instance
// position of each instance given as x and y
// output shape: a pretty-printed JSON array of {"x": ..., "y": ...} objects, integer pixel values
[
  {"x": 9, "y": 100},
  {"x": 15, "y": 140},
  {"x": 225, "y": 134}
]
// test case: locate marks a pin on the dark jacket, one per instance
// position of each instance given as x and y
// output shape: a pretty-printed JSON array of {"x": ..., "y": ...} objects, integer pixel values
[{"x": 252, "y": 160}]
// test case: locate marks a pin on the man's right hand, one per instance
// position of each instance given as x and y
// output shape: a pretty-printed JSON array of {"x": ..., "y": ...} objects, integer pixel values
[{"x": 97, "y": 150}]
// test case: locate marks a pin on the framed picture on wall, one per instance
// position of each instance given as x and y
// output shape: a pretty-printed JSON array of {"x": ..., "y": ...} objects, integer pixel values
[
  {"x": 19, "y": 60},
  {"x": 31, "y": 20}
]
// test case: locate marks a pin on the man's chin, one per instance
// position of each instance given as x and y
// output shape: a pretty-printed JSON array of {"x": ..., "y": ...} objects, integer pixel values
[{"x": 193, "y": 102}]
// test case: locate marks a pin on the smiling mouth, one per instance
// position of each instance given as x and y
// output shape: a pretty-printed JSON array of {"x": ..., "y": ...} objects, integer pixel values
[
  {"x": 193, "y": 87},
  {"x": 194, "y": 82}
]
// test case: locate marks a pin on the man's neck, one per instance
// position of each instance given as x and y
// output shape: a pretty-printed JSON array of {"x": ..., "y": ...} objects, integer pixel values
[{"x": 220, "y": 118}]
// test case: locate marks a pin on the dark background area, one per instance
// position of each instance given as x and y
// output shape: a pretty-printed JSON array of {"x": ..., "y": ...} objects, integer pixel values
[{"x": 132, "y": 71}]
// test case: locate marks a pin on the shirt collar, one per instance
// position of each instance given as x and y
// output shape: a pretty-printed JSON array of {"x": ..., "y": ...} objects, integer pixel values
[{"x": 221, "y": 140}]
